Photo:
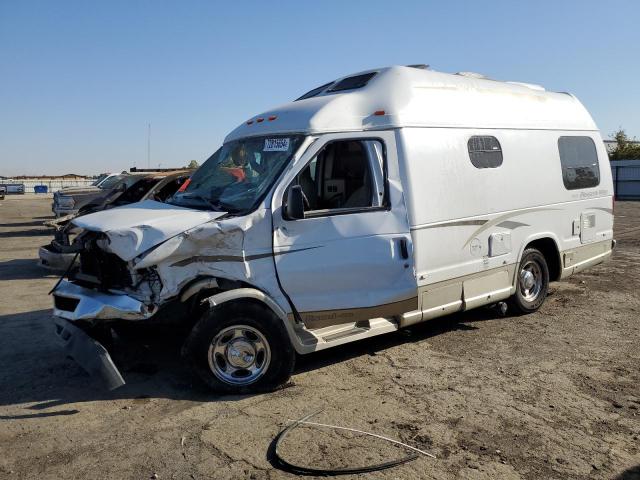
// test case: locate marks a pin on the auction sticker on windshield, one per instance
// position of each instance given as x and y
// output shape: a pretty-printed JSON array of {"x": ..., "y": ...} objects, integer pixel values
[{"x": 276, "y": 145}]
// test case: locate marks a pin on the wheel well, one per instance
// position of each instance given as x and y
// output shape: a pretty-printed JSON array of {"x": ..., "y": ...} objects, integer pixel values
[
  {"x": 193, "y": 304},
  {"x": 547, "y": 246},
  {"x": 241, "y": 302}
]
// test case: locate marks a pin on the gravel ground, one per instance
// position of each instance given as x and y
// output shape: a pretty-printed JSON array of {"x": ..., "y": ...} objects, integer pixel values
[{"x": 555, "y": 394}]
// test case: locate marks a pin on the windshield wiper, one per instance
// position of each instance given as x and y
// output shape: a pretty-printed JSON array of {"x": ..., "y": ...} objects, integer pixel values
[{"x": 215, "y": 204}]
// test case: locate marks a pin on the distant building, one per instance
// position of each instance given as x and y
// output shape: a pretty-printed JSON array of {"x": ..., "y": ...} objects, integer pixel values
[{"x": 66, "y": 176}]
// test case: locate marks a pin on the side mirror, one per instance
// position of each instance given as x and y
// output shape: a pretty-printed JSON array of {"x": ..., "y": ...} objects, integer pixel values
[{"x": 295, "y": 203}]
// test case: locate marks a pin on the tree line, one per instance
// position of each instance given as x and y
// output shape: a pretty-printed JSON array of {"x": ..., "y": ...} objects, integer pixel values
[{"x": 626, "y": 148}]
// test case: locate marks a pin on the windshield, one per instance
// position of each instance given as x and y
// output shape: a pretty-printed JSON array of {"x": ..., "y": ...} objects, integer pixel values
[
  {"x": 99, "y": 179},
  {"x": 110, "y": 182},
  {"x": 236, "y": 177}
]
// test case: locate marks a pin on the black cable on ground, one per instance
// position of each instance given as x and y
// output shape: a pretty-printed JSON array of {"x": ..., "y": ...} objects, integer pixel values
[{"x": 278, "y": 462}]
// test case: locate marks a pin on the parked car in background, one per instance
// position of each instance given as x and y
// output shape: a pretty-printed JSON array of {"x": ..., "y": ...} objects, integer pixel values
[
  {"x": 103, "y": 177},
  {"x": 13, "y": 188},
  {"x": 3, "y": 191},
  {"x": 70, "y": 200},
  {"x": 59, "y": 254}
]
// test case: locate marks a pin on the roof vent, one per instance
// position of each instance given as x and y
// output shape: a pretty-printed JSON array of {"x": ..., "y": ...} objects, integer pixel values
[
  {"x": 420, "y": 66},
  {"x": 472, "y": 75}
]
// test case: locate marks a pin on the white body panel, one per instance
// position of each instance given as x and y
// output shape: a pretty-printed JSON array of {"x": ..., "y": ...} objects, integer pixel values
[
  {"x": 455, "y": 208},
  {"x": 350, "y": 260}
]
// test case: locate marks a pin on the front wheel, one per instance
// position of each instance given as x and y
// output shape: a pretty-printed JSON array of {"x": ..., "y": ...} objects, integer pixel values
[
  {"x": 532, "y": 283},
  {"x": 240, "y": 348}
]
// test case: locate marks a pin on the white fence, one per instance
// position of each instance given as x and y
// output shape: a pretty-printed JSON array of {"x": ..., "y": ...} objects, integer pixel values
[{"x": 52, "y": 184}]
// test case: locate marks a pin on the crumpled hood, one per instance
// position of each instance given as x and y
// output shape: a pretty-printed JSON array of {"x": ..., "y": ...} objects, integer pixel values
[{"x": 134, "y": 229}]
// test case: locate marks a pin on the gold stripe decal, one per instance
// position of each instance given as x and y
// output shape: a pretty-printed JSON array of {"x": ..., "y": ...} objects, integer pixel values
[
  {"x": 457, "y": 223},
  {"x": 501, "y": 219},
  {"x": 326, "y": 318}
]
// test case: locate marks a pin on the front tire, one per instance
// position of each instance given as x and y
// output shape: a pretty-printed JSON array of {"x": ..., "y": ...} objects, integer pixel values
[
  {"x": 240, "y": 348},
  {"x": 532, "y": 283}
]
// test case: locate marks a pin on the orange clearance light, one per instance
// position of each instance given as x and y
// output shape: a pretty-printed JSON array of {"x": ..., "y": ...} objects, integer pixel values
[
  {"x": 259, "y": 120},
  {"x": 379, "y": 113},
  {"x": 249, "y": 122},
  {"x": 272, "y": 118}
]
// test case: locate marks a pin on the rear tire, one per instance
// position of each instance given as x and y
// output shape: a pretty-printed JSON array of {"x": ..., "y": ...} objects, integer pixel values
[
  {"x": 240, "y": 348},
  {"x": 532, "y": 283}
]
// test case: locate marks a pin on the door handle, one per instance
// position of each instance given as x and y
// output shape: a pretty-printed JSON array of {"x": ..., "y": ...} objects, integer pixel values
[{"x": 404, "y": 249}]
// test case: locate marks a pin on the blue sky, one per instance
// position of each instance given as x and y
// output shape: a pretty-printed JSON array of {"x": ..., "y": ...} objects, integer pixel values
[{"x": 80, "y": 81}]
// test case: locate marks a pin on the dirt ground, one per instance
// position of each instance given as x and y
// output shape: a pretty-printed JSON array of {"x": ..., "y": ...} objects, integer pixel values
[{"x": 555, "y": 394}]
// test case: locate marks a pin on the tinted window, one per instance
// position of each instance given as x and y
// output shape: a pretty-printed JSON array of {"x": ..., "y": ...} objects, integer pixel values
[
  {"x": 485, "y": 152},
  {"x": 314, "y": 92},
  {"x": 138, "y": 190},
  {"x": 579, "y": 161},
  {"x": 169, "y": 189},
  {"x": 349, "y": 83}
]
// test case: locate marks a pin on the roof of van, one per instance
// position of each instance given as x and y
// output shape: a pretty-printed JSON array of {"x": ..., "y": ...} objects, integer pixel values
[{"x": 407, "y": 96}]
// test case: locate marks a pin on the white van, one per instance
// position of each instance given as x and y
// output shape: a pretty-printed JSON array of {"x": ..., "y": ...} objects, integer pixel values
[{"x": 374, "y": 202}]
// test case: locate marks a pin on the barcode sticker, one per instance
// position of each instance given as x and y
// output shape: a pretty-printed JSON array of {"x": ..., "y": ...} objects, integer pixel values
[{"x": 276, "y": 145}]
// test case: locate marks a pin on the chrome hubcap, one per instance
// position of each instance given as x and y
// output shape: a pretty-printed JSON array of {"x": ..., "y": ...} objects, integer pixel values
[
  {"x": 239, "y": 355},
  {"x": 531, "y": 280}
]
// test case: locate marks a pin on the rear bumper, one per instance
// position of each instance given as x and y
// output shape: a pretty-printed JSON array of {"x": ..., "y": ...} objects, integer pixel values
[
  {"x": 88, "y": 353},
  {"x": 73, "y": 302}
]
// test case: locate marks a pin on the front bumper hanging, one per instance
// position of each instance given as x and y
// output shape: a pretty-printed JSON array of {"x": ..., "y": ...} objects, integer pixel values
[
  {"x": 74, "y": 302},
  {"x": 88, "y": 353}
]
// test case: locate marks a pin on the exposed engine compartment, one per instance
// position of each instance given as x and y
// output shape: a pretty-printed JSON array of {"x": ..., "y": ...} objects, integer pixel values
[{"x": 105, "y": 271}]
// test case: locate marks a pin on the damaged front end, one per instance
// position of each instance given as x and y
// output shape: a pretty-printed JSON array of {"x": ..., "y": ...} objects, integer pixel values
[
  {"x": 113, "y": 278},
  {"x": 101, "y": 291}
]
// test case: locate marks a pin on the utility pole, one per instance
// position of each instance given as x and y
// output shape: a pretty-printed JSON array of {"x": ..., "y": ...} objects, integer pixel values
[{"x": 149, "y": 146}]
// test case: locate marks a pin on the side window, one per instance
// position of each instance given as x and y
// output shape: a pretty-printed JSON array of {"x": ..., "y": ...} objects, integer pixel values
[
  {"x": 346, "y": 174},
  {"x": 169, "y": 189},
  {"x": 579, "y": 161},
  {"x": 485, "y": 152}
]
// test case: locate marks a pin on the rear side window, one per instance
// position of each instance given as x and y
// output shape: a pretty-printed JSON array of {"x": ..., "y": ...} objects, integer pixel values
[
  {"x": 485, "y": 152},
  {"x": 579, "y": 161}
]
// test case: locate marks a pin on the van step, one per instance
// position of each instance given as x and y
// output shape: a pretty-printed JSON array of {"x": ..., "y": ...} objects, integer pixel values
[
  {"x": 346, "y": 333},
  {"x": 325, "y": 337}
]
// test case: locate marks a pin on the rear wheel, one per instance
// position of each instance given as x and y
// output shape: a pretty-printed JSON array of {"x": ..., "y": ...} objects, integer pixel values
[
  {"x": 532, "y": 283},
  {"x": 240, "y": 348}
]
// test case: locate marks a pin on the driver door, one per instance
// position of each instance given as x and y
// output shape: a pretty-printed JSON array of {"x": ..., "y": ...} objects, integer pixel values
[{"x": 350, "y": 258}]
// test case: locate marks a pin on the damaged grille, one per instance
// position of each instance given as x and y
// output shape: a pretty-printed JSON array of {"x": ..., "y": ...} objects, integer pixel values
[{"x": 100, "y": 268}]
